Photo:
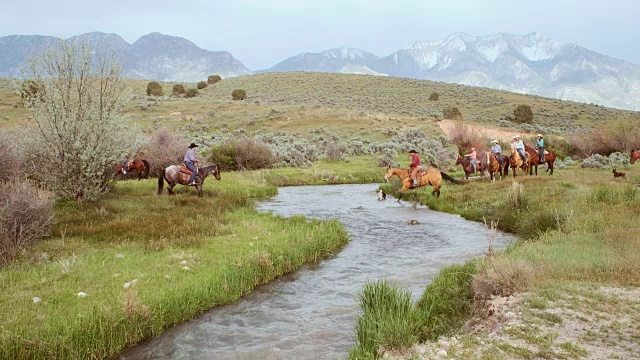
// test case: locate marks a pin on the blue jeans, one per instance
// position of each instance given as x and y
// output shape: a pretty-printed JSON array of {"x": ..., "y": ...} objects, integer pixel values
[
  {"x": 521, "y": 152},
  {"x": 124, "y": 166},
  {"x": 191, "y": 167},
  {"x": 500, "y": 159},
  {"x": 541, "y": 154},
  {"x": 473, "y": 164}
]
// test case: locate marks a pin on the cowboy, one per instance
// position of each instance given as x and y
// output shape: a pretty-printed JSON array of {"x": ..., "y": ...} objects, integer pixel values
[
  {"x": 519, "y": 145},
  {"x": 496, "y": 149},
  {"x": 125, "y": 167},
  {"x": 189, "y": 162},
  {"x": 540, "y": 145},
  {"x": 472, "y": 158},
  {"x": 414, "y": 166}
]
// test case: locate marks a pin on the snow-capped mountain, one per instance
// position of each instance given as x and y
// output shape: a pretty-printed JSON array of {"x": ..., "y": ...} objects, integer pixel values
[
  {"x": 154, "y": 56},
  {"x": 527, "y": 64},
  {"x": 341, "y": 60}
]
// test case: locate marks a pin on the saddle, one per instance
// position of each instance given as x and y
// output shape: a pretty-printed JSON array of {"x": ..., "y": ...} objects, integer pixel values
[
  {"x": 545, "y": 151},
  {"x": 185, "y": 170}
]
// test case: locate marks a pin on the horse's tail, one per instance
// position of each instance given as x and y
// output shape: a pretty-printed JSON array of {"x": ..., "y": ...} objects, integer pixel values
[
  {"x": 449, "y": 178},
  {"x": 147, "y": 168},
  {"x": 161, "y": 182}
]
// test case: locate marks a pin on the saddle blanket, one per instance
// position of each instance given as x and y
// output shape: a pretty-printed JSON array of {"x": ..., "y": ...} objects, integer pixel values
[{"x": 184, "y": 169}]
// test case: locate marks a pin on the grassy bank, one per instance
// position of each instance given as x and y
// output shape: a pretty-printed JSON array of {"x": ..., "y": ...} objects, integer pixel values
[
  {"x": 578, "y": 228},
  {"x": 147, "y": 262}
]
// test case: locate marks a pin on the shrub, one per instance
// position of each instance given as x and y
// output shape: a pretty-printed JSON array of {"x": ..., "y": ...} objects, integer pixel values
[
  {"x": 191, "y": 93},
  {"x": 434, "y": 96},
  {"x": 523, "y": 114},
  {"x": 598, "y": 161},
  {"x": 9, "y": 158},
  {"x": 201, "y": 85},
  {"x": 502, "y": 277},
  {"x": 252, "y": 154},
  {"x": 212, "y": 79},
  {"x": 26, "y": 213},
  {"x": 464, "y": 137},
  {"x": 154, "y": 89},
  {"x": 224, "y": 155},
  {"x": 335, "y": 151},
  {"x": 238, "y": 94},
  {"x": 178, "y": 89},
  {"x": 452, "y": 112},
  {"x": 28, "y": 89},
  {"x": 165, "y": 149},
  {"x": 80, "y": 129}
]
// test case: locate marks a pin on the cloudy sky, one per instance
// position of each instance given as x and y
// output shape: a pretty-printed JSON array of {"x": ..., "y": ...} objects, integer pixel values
[{"x": 261, "y": 33}]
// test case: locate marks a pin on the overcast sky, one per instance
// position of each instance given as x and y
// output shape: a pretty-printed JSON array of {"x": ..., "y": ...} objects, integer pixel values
[{"x": 262, "y": 33}]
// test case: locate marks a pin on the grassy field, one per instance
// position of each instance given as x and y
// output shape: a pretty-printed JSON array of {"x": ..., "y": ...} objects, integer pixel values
[
  {"x": 147, "y": 262},
  {"x": 578, "y": 228}
]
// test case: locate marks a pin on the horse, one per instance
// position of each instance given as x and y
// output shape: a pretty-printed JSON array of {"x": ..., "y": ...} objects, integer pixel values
[
  {"x": 634, "y": 156},
  {"x": 430, "y": 176},
  {"x": 141, "y": 166},
  {"x": 534, "y": 160},
  {"x": 173, "y": 176},
  {"x": 494, "y": 166},
  {"x": 468, "y": 168},
  {"x": 516, "y": 162}
]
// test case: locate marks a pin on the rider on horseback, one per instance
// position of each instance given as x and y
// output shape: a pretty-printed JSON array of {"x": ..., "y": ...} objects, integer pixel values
[
  {"x": 414, "y": 166},
  {"x": 540, "y": 145},
  {"x": 473, "y": 156},
  {"x": 496, "y": 149},
  {"x": 189, "y": 162},
  {"x": 519, "y": 146}
]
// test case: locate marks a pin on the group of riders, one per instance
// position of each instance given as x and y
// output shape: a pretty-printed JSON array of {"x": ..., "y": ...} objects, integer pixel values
[{"x": 496, "y": 150}]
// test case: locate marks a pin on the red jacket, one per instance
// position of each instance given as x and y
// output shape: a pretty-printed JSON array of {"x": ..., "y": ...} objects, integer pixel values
[{"x": 415, "y": 160}]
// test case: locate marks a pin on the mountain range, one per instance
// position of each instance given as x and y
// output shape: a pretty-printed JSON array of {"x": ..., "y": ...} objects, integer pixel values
[{"x": 530, "y": 63}]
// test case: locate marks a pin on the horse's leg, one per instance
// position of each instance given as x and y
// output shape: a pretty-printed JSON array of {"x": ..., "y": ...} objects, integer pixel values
[
  {"x": 550, "y": 166},
  {"x": 170, "y": 186},
  {"x": 199, "y": 188}
]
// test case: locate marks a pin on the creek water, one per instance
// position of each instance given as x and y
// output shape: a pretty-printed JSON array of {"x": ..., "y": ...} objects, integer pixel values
[{"x": 310, "y": 314}]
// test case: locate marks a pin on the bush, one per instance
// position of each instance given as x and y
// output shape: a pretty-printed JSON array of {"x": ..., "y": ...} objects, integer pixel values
[
  {"x": 434, "y": 96},
  {"x": 224, "y": 155},
  {"x": 9, "y": 158},
  {"x": 28, "y": 89},
  {"x": 523, "y": 114},
  {"x": 599, "y": 162},
  {"x": 212, "y": 79},
  {"x": 201, "y": 85},
  {"x": 192, "y": 93},
  {"x": 238, "y": 94},
  {"x": 26, "y": 213},
  {"x": 335, "y": 151},
  {"x": 165, "y": 149},
  {"x": 178, "y": 89},
  {"x": 252, "y": 154},
  {"x": 452, "y": 112},
  {"x": 78, "y": 117},
  {"x": 464, "y": 137},
  {"x": 501, "y": 277},
  {"x": 154, "y": 89}
]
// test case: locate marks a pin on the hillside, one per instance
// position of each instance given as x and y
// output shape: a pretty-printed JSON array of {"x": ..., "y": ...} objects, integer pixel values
[{"x": 358, "y": 105}]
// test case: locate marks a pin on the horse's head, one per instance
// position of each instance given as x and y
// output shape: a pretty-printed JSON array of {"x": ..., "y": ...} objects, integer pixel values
[
  {"x": 459, "y": 160},
  {"x": 389, "y": 174},
  {"x": 215, "y": 171}
]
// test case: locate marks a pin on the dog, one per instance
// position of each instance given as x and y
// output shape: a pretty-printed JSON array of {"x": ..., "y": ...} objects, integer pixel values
[
  {"x": 381, "y": 195},
  {"x": 619, "y": 174}
]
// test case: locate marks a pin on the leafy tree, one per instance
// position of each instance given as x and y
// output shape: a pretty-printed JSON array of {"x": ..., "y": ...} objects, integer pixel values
[
  {"x": 201, "y": 85},
  {"x": 79, "y": 132},
  {"x": 179, "y": 89},
  {"x": 523, "y": 114},
  {"x": 154, "y": 89},
  {"x": 238, "y": 94},
  {"x": 192, "y": 93},
  {"x": 452, "y": 112},
  {"x": 212, "y": 79},
  {"x": 434, "y": 96}
]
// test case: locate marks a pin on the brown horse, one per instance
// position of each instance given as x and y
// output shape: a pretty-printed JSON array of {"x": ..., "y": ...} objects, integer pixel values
[
  {"x": 634, "y": 156},
  {"x": 141, "y": 166},
  {"x": 516, "y": 161},
  {"x": 481, "y": 164},
  {"x": 494, "y": 167},
  {"x": 174, "y": 176},
  {"x": 430, "y": 176},
  {"x": 534, "y": 159}
]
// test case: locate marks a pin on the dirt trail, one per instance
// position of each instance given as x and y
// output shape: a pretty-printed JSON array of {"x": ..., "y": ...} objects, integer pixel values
[{"x": 492, "y": 133}]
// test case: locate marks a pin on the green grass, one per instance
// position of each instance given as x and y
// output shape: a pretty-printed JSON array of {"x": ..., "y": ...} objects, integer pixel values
[
  {"x": 185, "y": 253},
  {"x": 585, "y": 233}
]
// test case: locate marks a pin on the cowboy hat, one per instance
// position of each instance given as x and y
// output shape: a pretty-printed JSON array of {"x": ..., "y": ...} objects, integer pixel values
[
  {"x": 494, "y": 141},
  {"x": 412, "y": 152},
  {"x": 192, "y": 146},
  {"x": 540, "y": 135},
  {"x": 516, "y": 137},
  {"x": 473, "y": 149}
]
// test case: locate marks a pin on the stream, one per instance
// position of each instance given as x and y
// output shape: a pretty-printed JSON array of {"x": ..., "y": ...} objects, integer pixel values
[{"x": 310, "y": 314}]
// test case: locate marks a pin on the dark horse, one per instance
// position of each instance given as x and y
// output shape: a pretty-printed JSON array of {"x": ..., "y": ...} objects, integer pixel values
[
  {"x": 549, "y": 159},
  {"x": 481, "y": 164},
  {"x": 174, "y": 176},
  {"x": 634, "y": 156},
  {"x": 141, "y": 166}
]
